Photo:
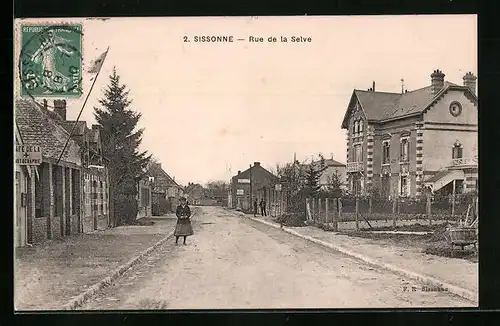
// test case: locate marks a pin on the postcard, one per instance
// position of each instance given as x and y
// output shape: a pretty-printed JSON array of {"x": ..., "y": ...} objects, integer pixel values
[{"x": 299, "y": 162}]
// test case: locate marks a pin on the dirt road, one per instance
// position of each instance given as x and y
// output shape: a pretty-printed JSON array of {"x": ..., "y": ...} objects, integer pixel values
[{"x": 235, "y": 263}]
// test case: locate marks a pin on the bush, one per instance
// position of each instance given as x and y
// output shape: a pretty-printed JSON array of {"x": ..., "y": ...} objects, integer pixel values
[
  {"x": 165, "y": 206},
  {"x": 293, "y": 220},
  {"x": 126, "y": 209}
]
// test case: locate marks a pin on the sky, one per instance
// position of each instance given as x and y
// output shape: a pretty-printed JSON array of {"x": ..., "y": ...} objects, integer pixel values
[{"x": 211, "y": 109}]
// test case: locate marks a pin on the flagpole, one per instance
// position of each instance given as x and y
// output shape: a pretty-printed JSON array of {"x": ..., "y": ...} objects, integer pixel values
[{"x": 81, "y": 110}]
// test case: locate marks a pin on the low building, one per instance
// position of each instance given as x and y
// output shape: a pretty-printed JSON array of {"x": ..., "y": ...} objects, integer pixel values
[
  {"x": 253, "y": 183},
  {"x": 52, "y": 190},
  {"x": 164, "y": 186}
]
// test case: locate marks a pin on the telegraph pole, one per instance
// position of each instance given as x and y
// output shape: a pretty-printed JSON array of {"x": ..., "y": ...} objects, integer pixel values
[{"x": 251, "y": 200}]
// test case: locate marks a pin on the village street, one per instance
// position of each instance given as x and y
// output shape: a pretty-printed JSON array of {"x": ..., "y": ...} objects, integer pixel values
[{"x": 232, "y": 262}]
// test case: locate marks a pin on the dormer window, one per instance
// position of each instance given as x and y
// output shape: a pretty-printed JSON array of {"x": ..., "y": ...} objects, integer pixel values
[{"x": 457, "y": 151}]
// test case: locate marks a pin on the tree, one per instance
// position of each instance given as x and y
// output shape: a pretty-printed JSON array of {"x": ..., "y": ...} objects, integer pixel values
[
  {"x": 312, "y": 185},
  {"x": 121, "y": 141},
  {"x": 334, "y": 186},
  {"x": 292, "y": 181},
  {"x": 217, "y": 189}
]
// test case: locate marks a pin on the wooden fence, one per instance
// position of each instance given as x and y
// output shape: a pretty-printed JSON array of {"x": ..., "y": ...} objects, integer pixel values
[{"x": 354, "y": 209}]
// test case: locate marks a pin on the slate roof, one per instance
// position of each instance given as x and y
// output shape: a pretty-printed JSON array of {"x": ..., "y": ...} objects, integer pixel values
[
  {"x": 38, "y": 127},
  {"x": 329, "y": 162},
  {"x": 380, "y": 106},
  {"x": 245, "y": 174}
]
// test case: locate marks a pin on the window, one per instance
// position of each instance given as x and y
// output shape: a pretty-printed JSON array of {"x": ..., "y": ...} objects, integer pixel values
[
  {"x": 457, "y": 151},
  {"x": 404, "y": 152},
  {"x": 386, "y": 159},
  {"x": 358, "y": 153},
  {"x": 95, "y": 207},
  {"x": 355, "y": 127},
  {"x": 404, "y": 185},
  {"x": 356, "y": 185},
  {"x": 360, "y": 126}
]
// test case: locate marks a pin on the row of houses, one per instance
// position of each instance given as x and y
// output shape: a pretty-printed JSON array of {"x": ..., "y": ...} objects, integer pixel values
[{"x": 57, "y": 198}]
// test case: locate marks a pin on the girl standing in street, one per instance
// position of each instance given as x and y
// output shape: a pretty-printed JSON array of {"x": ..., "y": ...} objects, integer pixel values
[{"x": 183, "y": 227}]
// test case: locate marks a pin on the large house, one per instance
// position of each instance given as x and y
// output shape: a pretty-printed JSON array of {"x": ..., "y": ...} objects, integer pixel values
[
  {"x": 253, "y": 183},
  {"x": 403, "y": 143}
]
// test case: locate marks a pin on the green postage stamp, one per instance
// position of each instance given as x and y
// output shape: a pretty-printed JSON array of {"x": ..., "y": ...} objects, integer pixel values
[{"x": 50, "y": 62}]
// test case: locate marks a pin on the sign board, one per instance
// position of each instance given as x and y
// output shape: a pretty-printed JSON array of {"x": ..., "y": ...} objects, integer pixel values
[
  {"x": 28, "y": 155},
  {"x": 243, "y": 180},
  {"x": 277, "y": 187},
  {"x": 240, "y": 192}
]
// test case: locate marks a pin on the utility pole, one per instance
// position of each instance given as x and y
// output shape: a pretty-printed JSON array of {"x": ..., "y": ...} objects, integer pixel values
[{"x": 251, "y": 199}]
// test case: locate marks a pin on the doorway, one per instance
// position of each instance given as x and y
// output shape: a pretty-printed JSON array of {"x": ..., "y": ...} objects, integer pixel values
[{"x": 21, "y": 204}]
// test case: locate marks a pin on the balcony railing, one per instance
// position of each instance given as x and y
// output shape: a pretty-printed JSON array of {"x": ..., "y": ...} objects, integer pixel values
[
  {"x": 354, "y": 167},
  {"x": 463, "y": 161}
]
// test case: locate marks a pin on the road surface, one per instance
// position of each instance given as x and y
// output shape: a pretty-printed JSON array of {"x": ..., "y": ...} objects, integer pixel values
[{"x": 235, "y": 263}]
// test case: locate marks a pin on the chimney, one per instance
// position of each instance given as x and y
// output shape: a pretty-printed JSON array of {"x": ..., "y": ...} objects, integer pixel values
[
  {"x": 60, "y": 108},
  {"x": 239, "y": 172},
  {"x": 256, "y": 163},
  {"x": 470, "y": 81},
  {"x": 373, "y": 87},
  {"x": 437, "y": 81},
  {"x": 45, "y": 105}
]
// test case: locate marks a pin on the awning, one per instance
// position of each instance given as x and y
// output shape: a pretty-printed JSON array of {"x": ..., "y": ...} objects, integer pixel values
[{"x": 443, "y": 178}]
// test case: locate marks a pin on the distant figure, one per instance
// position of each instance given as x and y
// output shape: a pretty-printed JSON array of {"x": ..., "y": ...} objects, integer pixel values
[
  {"x": 255, "y": 211},
  {"x": 183, "y": 227},
  {"x": 263, "y": 207}
]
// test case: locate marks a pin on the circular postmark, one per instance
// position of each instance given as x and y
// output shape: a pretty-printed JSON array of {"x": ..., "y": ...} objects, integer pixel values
[{"x": 50, "y": 61}]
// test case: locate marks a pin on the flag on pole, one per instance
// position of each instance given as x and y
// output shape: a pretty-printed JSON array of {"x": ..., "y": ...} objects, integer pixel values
[{"x": 95, "y": 66}]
